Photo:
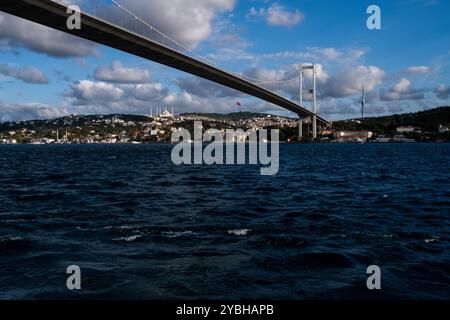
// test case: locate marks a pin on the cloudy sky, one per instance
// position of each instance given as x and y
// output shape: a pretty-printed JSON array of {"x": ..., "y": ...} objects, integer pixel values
[{"x": 405, "y": 66}]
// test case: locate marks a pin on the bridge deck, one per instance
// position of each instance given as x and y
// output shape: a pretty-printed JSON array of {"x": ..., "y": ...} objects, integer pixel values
[{"x": 52, "y": 14}]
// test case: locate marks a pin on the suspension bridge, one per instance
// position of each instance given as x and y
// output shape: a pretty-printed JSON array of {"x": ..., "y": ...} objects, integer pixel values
[{"x": 120, "y": 28}]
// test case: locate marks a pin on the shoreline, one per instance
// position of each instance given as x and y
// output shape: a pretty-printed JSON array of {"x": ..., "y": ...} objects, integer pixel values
[{"x": 169, "y": 143}]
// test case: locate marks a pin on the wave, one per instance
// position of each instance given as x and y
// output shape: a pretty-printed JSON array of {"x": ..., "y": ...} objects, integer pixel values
[
  {"x": 128, "y": 239},
  {"x": 13, "y": 243},
  {"x": 176, "y": 234},
  {"x": 433, "y": 239},
  {"x": 239, "y": 232}
]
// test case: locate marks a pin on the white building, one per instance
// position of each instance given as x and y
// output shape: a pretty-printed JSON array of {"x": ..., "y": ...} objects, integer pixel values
[
  {"x": 408, "y": 129},
  {"x": 166, "y": 115},
  {"x": 354, "y": 134},
  {"x": 443, "y": 129}
]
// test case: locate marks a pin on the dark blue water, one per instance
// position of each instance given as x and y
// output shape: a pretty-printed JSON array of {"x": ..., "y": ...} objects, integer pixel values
[{"x": 140, "y": 227}]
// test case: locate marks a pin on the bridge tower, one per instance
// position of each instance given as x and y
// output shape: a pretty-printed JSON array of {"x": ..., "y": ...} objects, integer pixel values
[{"x": 312, "y": 67}]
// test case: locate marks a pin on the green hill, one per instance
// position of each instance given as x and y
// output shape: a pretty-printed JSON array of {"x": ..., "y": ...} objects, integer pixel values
[{"x": 428, "y": 120}]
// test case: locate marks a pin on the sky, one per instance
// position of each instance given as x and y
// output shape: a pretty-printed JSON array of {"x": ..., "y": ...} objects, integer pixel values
[{"x": 405, "y": 66}]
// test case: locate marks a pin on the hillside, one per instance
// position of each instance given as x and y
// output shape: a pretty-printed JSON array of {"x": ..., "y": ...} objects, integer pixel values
[{"x": 428, "y": 120}]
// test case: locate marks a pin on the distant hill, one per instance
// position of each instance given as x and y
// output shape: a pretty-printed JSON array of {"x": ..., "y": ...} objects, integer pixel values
[{"x": 428, "y": 120}]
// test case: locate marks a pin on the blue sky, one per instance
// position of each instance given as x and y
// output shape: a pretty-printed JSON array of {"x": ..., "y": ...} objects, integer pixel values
[{"x": 405, "y": 66}]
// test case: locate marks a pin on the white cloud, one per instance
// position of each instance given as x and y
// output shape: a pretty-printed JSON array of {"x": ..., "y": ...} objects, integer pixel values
[
  {"x": 29, "y": 111},
  {"x": 17, "y": 32},
  {"x": 277, "y": 15},
  {"x": 100, "y": 97},
  {"x": 186, "y": 21},
  {"x": 348, "y": 82},
  {"x": 144, "y": 92},
  {"x": 402, "y": 86},
  {"x": 205, "y": 88},
  {"x": 26, "y": 74},
  {"x": 264, "y": 74},
  {"x": 442, "y": 91},
  {"x": 402, "y": 90},
  {"x": 120, "y": 74},
  {"x": 418, "y": 70},
  {"x": 324, "y": 55},
  {"x": 231, "y": 54},
  {"x": 87, "y": 91},
  {"x": 334, "y": 54},
  {"x": 253, "y": 12},
  {"x": 185, "y": 102},
  {"x": 286, "y": 73}
]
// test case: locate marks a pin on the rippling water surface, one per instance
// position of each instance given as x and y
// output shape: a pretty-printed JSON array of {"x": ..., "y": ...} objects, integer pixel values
[{"x": 141, "y": 227}]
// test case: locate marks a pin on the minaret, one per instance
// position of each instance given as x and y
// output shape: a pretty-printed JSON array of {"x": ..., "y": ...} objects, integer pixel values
[{"x": 363, "y": 101}]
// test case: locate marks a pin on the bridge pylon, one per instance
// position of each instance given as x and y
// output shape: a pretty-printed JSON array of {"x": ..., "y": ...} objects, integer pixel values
[
  {"x": 300, "y": 129},
  {"x": 312, "y": 67}
]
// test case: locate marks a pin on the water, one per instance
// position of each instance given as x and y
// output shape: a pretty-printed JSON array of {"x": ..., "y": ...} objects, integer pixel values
[{"x": 141, "y": 228}]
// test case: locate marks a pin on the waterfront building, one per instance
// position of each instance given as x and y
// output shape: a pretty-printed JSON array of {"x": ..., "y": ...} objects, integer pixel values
[
  {"x": 408, "y": 129},
  {"x": 348, "y": 136},
  {"x": 443, "y": 129}
]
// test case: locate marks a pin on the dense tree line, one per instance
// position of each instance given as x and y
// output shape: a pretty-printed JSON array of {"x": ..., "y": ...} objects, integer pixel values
[{"x": 428, "y": 121}]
